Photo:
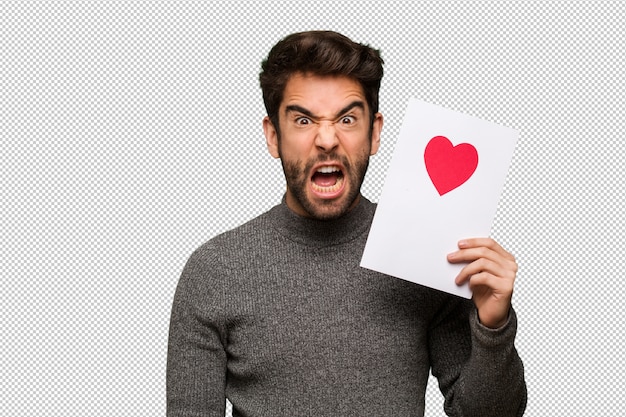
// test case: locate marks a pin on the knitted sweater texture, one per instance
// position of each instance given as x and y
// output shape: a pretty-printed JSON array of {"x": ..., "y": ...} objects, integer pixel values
[{"x": 278, "y": 317}]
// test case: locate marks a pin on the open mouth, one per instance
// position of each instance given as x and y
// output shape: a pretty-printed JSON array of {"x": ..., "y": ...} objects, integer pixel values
[{"x": 327, "y": 180}]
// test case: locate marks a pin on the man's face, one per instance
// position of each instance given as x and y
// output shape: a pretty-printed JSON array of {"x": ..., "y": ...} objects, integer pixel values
[{"x": 324, "y": 143}]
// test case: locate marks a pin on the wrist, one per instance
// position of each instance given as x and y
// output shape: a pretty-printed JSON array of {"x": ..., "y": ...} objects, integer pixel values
[{"x": 494, "y": 323}]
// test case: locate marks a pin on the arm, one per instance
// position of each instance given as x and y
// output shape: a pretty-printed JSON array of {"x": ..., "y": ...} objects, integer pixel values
[
  {"x": 472, "y": 343},
  {"x": 478, "y": 369},
  {"x": 196, "y": 360}
]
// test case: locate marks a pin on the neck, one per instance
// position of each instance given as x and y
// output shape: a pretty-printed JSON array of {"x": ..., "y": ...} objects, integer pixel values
[{"x": 316, "y": 232}]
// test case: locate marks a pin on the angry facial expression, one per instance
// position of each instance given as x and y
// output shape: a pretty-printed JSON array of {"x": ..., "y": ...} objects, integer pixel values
[{"x": 324, "y": 141}]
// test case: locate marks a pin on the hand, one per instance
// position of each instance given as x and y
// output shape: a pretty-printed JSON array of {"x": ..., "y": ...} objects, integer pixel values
[{"x": 490, "y": 273}]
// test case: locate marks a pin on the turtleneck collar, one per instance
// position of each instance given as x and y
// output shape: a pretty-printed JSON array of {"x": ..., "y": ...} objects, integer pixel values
[{"x": 312, "y": 232}]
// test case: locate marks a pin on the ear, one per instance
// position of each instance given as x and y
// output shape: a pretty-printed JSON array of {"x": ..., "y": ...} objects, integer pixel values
[
  {"x": 271, "y": 137},
  {"x": 377, "y": 127}
]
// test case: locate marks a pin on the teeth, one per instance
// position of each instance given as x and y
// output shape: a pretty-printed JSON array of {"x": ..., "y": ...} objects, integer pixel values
[
  {"x": 330, "y": 189},
  {"x": 328, "y": 170}
]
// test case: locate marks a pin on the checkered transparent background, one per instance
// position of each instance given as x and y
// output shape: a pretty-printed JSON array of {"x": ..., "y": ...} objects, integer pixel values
[{"x": 131, "y": 133}]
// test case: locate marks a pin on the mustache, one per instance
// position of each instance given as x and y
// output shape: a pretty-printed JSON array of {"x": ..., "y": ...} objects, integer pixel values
[{"x": 325, "y": 158}]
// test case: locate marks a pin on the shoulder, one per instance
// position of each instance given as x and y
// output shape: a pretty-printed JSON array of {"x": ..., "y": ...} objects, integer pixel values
[{"x": 235, "y": 246}]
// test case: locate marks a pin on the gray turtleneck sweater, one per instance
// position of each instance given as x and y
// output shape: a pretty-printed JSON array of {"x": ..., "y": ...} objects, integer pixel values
[{"x": 278, "y": 317}]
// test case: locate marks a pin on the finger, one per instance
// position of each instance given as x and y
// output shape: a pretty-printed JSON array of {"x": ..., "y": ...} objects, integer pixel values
[
  {"x": 485, "y": 242},
  {"x": 472, "y": 254},
  {"x": 487, "y": 280},
  {"x": 480, "y": 266}
]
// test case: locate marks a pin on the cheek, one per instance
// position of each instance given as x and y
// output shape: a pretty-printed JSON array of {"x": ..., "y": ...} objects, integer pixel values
[
  {"x": 288, "y": 152},
  {"x": 294, "y": 147},
  {"x": 360, "y": 147}
]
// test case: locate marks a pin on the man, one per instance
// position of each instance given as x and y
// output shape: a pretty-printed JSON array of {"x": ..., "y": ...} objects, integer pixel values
[{"x": 278, "y": 317}]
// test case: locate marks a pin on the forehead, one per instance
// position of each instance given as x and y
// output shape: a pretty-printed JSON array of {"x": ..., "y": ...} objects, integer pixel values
[{"x": 322, "y": 94}]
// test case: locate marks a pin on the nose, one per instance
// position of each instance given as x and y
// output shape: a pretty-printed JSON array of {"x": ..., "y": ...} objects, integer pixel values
[{"x": 326, "y": 139}]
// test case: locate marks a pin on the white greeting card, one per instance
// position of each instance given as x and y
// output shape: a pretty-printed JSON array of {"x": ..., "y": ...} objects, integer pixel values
[{"x": 443, "y": 185}]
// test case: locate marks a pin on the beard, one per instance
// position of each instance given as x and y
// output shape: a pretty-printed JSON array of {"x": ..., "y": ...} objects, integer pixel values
[{"x": 298, "y": 182}]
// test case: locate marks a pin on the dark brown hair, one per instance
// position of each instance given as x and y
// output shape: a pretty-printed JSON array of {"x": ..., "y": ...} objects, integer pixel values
[{"x": 319, "y": 53}]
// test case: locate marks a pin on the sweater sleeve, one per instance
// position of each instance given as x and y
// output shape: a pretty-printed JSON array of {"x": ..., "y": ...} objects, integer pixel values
[
  {"x": 196, "y": 359},
  {"x": 478, "y": 369}
]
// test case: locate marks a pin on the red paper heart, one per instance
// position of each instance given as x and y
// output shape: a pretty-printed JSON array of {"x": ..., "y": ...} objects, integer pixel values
[{"x": 449, "y": 166}]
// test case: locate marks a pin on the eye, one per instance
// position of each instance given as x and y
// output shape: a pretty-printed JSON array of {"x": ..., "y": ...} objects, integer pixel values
[
  {"x": 347, "y": 120},
  {"x": 303, "y": 121}
]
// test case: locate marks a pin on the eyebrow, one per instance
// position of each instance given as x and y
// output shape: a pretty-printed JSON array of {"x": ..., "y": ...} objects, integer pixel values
[{"x": 306, "y": 112}]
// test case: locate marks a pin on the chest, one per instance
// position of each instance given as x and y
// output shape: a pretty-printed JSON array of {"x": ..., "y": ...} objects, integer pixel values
[{"x": 315, "y": 323}]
